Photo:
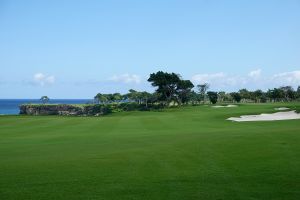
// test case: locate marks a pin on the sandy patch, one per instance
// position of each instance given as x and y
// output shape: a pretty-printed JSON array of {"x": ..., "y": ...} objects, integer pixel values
[
  {"x": 267, "y": 117},
  {"x": 228, "y": 106},
  {"x": 282, "y": 108}
]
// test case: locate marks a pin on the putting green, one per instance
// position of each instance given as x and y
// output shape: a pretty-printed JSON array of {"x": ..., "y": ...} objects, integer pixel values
[{"x": 186, "y": 153}]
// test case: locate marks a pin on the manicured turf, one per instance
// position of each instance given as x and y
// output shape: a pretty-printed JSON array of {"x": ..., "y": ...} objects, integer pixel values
[{"x": 187, "y": 153}]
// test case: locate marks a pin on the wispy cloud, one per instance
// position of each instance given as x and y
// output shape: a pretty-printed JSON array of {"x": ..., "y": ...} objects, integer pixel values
[
  {"x": 126, "y": 78},
  {"x": 255, "y": 74},
  {"x": 219, "y": 80},
  {"x": 287, "y": 78},
  {"x": 42, "y": 79},
  {"x": 203, "y": 78},
  {"x": 253, "y": 80}
]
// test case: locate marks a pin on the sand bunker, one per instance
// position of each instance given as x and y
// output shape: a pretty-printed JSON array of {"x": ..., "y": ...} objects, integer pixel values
[
  {"x": 228, "y": 106},
  {"x": 282, "y": 108},
  {"x": 267, "y": 117}
]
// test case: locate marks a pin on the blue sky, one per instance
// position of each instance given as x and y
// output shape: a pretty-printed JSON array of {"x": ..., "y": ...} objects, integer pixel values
[{"x": 75, "y": 49}]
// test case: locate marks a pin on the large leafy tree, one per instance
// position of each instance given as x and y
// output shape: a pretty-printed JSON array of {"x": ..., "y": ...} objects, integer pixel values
[
  {"x": 183, "y": 90},
  {"x": 166, "y": 84}
]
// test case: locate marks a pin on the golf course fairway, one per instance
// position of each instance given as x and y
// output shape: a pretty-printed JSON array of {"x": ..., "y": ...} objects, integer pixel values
[{"x": 183, "y": 153}]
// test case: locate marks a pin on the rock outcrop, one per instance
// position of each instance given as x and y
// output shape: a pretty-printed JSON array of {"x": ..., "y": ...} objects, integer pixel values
[{"x": 63, "y": 109}]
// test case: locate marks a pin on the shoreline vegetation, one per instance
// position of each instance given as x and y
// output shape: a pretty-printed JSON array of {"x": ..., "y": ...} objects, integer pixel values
[
  {"x": 84, "y": 109},
  {"x": 170, "y": 91}
]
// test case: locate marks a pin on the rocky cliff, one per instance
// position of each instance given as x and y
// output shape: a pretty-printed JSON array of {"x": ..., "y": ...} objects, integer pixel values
[{"x": 63, "y": 109}]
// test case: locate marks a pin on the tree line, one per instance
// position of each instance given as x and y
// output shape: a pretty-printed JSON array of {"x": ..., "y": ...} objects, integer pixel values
[{"x": 171, "y": 89}]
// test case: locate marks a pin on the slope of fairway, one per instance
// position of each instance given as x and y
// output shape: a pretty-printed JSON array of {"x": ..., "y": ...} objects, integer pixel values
[{"x": 186, "y": 153}]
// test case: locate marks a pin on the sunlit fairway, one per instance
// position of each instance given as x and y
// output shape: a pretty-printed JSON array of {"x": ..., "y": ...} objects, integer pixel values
[{"x": 187, "y": 153}]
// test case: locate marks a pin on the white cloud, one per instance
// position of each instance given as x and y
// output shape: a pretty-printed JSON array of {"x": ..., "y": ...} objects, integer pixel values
[
  {"x": 218, "y": 80},
  {"x": 253, "y": 80},
  {"x": 287, "y": 78},
  {"x": 255, "y": 74},
  {"x": 42, "y": 79},
  {"x": 126, "y": 78},
  {"x": 207, "y": 78}
]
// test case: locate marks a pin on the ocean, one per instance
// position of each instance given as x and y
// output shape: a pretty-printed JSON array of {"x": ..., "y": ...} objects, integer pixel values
[{"x": 11, "y": 106}]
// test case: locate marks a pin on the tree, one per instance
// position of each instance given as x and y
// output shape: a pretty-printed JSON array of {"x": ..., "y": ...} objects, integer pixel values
[
  {"x": 228, "y": 97},
  {"x": 117, "y": 97},
  {"x": 154, "y": 98},
  {"x": 183, "y": 90},
  {"x": 44, "y": 99},
  {"x": 257, "y": 95},
  {"x": 275, "y": 94},
  {"x": 202, "y": 90},
  {"x": 213, "y": 97},
  {"x": 109, "y": 97},
  {"x": 194, "y": 97},
  {"x": 133, "y": 95},
  {"x": 245, "y": 94},
  {"x": 288, "y": 92},
  {"x": 97, "y": 98},
  {"x": 101, "y": 98},
  {"x": 145, "y": 97},
  {"x": 166, "y": 84},
  {"x": 236, "y": 96},
  {"x": 221, "y": 96}
]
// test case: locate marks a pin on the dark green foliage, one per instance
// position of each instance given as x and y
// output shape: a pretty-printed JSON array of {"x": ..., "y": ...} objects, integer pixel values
[
  {"x": 236, "y": 96},
  {"x": 166, "y": 84},
  {"x": 245, "y": 94},
  {"x": 44, "y": 99},
  {"x": 288, "y": 93},
  {"x": 170, "y": 87},
  {"x": 98, "y": 109},
  {"x": 258, "y": 95},
  {"x": 213, "y": 97},
  {"x": 183, "y": 90}
]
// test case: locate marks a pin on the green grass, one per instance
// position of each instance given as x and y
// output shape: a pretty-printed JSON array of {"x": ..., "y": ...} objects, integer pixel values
[{"x": 187, "y": 153}]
